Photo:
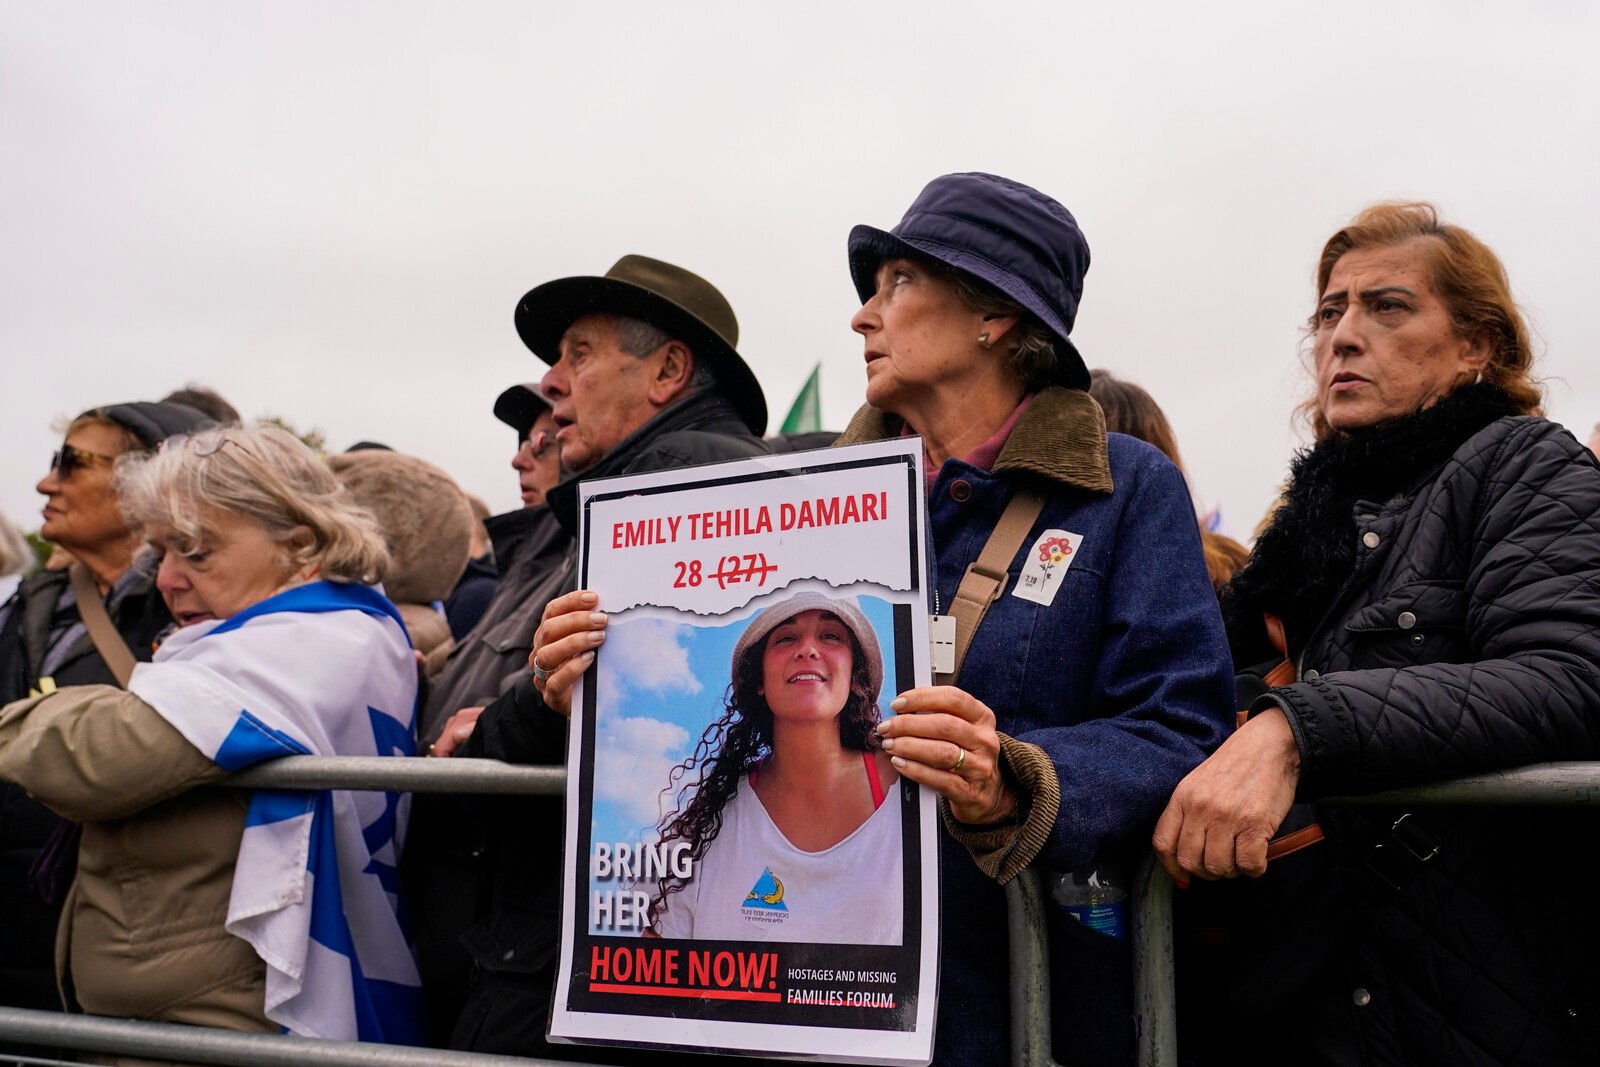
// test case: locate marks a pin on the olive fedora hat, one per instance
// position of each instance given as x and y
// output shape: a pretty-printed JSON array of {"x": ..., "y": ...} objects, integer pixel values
[{"x": 672, "y": 299}]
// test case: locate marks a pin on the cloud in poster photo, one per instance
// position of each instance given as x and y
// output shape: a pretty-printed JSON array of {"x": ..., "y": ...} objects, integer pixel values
[
  {"x": 649, "y": 656},
  {"x": 655, "y": 658},
  {"x": 633, "y": 750}
]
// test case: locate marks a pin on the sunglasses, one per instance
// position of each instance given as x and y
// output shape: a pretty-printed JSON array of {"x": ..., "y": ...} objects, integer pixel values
[
  {"x": 204, "y": 445},
  {"x": 68, "y": 459},
  {"x": 540, "y": 441}
]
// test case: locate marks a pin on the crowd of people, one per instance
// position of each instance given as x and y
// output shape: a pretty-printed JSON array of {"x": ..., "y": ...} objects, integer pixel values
[{"x": 1421, "y": 603}]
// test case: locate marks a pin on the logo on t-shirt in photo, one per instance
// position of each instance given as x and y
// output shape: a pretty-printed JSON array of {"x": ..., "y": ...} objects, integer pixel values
[{"x": 764, "y": 903}]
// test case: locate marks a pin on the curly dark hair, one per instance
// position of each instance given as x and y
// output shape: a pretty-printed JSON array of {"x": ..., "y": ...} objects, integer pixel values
[{"x": 736, "y": 744}]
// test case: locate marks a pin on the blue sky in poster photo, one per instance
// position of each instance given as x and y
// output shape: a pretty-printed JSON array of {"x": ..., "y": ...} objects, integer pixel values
[{"x": 661, "y": 683}]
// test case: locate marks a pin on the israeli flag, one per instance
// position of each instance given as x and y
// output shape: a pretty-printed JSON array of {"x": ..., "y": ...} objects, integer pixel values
[{"x": 321, "y": 669}]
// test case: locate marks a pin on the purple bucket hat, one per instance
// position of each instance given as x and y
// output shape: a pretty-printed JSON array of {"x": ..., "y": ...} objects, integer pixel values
[{"x": 1002, "y": 232}]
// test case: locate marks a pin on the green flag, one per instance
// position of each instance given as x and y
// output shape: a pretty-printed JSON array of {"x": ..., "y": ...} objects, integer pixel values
[{"x": 805, "y": 414}]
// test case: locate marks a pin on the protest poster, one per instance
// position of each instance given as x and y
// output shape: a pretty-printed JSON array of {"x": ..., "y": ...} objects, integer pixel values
[{"x": 758, "y": 609}]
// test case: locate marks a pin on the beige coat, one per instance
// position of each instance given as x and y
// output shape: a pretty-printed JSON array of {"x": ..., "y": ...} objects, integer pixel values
[{"x": 142, "y": 933}]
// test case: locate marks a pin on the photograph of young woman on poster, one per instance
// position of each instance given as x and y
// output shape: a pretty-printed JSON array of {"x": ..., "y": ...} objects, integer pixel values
[{"x": 788, "y": 804}]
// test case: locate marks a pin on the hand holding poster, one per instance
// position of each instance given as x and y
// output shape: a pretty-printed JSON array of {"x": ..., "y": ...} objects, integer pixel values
[{"x": 745, "y": 869}]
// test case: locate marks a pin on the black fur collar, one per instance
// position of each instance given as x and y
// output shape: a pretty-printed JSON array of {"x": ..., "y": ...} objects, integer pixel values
[{"x": 1301, "y": 560}]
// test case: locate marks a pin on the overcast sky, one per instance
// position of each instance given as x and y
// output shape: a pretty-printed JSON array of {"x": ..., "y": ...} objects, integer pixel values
[{"x": 327, "y": 211}]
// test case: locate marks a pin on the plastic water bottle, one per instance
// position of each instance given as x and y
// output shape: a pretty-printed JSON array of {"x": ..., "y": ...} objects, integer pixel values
[{"x": 1096, "y": 895}]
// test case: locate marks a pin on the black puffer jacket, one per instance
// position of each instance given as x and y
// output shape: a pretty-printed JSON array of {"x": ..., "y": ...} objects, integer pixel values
[{"x": 1461, "y": 634}]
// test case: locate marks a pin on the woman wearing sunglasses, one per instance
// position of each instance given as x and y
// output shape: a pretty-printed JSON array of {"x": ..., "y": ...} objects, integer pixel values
[{"x": 44, "y": 644}]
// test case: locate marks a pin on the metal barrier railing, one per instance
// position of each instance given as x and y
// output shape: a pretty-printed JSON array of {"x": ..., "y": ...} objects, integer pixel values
[
  {"x": 1155, "y": 1012},
  {"x": 1154, "y": 1005},
  {"x": 396, "y": 774},
  {"x": 1573, "y": 782},
  {"x": 1154, "y": 998},
  {"x": 1030, "y": 971},
  {"x": 175, "y": 1042},
  {"x": 1150, "y": 904}
]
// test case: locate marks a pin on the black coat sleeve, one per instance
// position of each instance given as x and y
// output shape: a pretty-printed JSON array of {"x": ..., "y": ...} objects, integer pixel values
[
  {"x": 1528, "y": 690},
  {"x": 519, "y": 728}
]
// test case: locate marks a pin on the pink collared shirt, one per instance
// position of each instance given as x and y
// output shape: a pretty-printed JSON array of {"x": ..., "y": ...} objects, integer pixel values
[{"x": 983, "y": 457}]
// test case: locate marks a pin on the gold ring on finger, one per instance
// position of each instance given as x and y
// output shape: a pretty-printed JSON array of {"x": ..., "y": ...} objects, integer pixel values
[{"x": 955, "y": 768}]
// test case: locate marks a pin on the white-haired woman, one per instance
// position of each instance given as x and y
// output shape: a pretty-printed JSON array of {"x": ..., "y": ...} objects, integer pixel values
[
  {"x": 251, "y": 911},
  {"x": 15, "y": 557}
]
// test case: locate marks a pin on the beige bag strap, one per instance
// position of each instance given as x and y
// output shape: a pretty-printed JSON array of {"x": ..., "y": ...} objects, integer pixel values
[
  {"x": 985, "y": 579},
  {"x": 92, "y": 610}
]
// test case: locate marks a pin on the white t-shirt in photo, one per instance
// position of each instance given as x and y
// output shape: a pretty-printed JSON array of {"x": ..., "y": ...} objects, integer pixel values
[{"x": 753, "y": 885}]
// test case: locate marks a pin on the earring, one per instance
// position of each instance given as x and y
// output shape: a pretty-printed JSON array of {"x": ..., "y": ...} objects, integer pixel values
[
  {"x": 983, "y": 340},
  {"x": 1478, "y": 379}
]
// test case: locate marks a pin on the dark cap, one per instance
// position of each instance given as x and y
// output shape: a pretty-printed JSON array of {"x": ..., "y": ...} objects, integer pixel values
[
  {"x": 1002, "y": 232},
  {"x": 669, "y": 298},
  {"x": 153, "y": 422},
  {"x": 520, "y": 406}
]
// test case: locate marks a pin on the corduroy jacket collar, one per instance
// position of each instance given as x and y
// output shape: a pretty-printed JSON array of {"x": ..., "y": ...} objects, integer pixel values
[{"x": 1062, "y": 436}]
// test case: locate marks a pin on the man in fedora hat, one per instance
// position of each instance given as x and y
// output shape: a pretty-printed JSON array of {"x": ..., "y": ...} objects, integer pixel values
[{"x": 644, "y": 375}]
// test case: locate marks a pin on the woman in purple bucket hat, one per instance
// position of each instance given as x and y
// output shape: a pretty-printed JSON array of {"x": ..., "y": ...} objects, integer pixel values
[{"x": 1098, "y": 675}]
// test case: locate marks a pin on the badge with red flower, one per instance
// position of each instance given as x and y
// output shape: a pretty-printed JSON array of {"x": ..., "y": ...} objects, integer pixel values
[
  {"x": 1054, "y": 551},
  {"x": 1052, "y": 554}
]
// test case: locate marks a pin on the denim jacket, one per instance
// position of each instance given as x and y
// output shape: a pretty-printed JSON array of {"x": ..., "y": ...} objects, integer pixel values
[{"x": 1105, "y": 697}]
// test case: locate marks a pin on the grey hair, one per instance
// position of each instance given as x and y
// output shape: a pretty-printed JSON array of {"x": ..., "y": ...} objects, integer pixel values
[
  {"x": 264, "y": 475},
  {"x": 1031, "y": 348},
  {"x": 639, "y": 338},
  {"x": 15, "y": 555},
  {"x": 703, "y": 378}
]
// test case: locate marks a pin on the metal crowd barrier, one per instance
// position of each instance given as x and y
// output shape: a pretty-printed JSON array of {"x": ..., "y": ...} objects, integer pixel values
[
  {"x": 1151, "y": 908},
  {"x": 1154, "y": 1001},
  {"x": 1154, "y": 1006}
]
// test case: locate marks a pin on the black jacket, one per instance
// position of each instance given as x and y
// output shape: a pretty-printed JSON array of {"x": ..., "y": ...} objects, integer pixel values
[
  {"x": 515, "y": 908},
  {"x": 470, "y": 598},
  {"x": 531, "y": 550},
  {"x": 444, "y": 866},
  {"x": 703, "y": 429},
  {"x": 1462, "y": 634},
  {"x": 27, "y": 920}
]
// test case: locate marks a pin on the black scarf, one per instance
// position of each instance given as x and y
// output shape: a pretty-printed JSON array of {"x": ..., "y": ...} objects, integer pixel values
[{"x": 1300, "y": 562}]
